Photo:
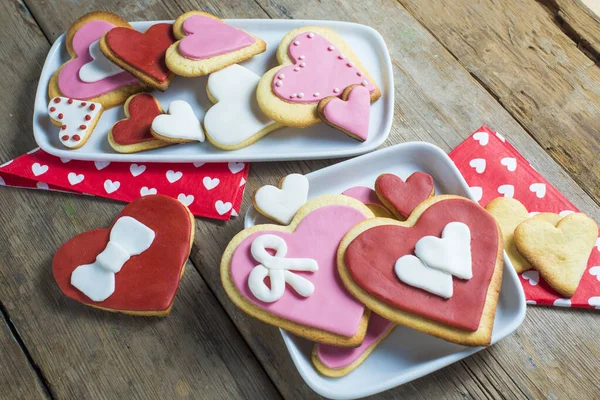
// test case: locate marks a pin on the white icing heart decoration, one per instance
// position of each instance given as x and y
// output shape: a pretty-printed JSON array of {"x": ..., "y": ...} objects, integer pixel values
[
  {"x": 76, "y": 119},
  {"x": 236, "y": 116},
  {"x": 111, "y": 186},
  {"x": 533, "y": 277},
  {"x": 476, "y": 192},
  {"x": 186, "y": 199},
  {"x": 74, "y": 178},
  {"x": 482, "y": 137},
  {"x": 235, "y": 167},
  {"x": 506, "y": 190},
  {"x": 595, "y": 271},
  {"x": 39, "y": 169},
  {"x": 539, "y": 189},
  {"x": 137, "y": 170},
  {"x": 510, "y": 163},
  {"x": 222, "y": 207},
  {"x": 450, "y": 253},
  {"x": 478, "y": 164},
  {"x": 101, "y": 164},
  {"x": 282, "y": 204},
  {"x": 99, "y": 68},
  {"x": 210, "y": 183},
  {"x": 173, "y": 176},
  {"x": 179, "y": 123},
  {"x": 145, "y": 191},
  {"x": 412, "y": 271}
]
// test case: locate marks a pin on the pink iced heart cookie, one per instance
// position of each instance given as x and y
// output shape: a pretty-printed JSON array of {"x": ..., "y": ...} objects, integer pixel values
[
  {"x": 207, "y": 44},
  {"x": 350, "y": 114},
  {"x": 316, "y": 63},
  {"x": 88, "y": 75},
  {"x": 303, "y": 293}
]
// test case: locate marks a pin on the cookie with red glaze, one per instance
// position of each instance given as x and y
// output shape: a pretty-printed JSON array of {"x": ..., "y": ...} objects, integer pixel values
[
  {"x": 401, "y": 197},
  {"x": 135, "y": 265}
]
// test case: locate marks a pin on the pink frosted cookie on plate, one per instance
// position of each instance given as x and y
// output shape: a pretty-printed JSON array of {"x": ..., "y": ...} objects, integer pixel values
[
  {"x": 207, "y": 44},
  {"x": 315, "y": 63},
  {"x": 350, "y": 114}
]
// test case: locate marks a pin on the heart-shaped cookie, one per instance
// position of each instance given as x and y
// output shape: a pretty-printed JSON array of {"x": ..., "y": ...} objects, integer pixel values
[
  {"x": 141, "y": 54},
  {"x": 180, "y": 125},
  {"x": 315, "y": 63},
  {"x": 77, "y": 120},
  {"x": 350, "y": 114},
  {"x": 77, "y": 79},
  {"x": 509, "y": 213},
  {"x": 133, "y": 133},
  {"x": 233, "y": 90},
  {"x": 368, "y": 253},
  {"x": 558, "y": 251},
  {"x": 282, "y": 203},
  {"x": 307, "y": 301},
  {"x": 147, "y": 282},
  {"x": 368, "y": 197},
  {"x": 402, "y": 197},
  {"x": 207, "y": 44}
]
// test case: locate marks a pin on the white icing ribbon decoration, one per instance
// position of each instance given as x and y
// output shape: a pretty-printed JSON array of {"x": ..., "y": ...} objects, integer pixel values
[
  {"x": 437, "y": 259},
  {"x": 128, "y": 237},
  {"x": 277, "y": 268}
]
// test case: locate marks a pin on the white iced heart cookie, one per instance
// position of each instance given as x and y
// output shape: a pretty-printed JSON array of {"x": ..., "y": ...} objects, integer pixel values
[
  {"x": 76, "y": 119},
  {"x": 451, "y": 253},
  {"x": 180, "y": 125},
  {"x": 99, "y": 68},
  {"x": 281, "y": 204},
  {"x": 236, "y": 120},
  {"x": 410, "y": 270}
]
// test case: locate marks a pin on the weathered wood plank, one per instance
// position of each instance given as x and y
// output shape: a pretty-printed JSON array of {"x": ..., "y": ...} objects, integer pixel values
[
  {"x": 82, "y": 352},
  {"x": 18, "y": 379},
  {"x": 582, "y": 21},
  {"x": 533, "y": 68}
]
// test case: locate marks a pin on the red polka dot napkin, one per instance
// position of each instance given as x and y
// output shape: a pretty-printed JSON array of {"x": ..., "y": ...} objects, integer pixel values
[
  {"x": 208, "y": 189},
  {"x": 493, "y": 167}
]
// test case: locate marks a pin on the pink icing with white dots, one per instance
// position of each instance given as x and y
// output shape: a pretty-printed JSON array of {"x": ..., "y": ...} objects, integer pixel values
[{"x": 319, "y": 71}]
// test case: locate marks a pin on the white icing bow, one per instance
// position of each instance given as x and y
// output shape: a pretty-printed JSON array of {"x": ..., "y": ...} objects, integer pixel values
[
  {"x": 277, "y": 268},
  {"x": 128, "y": 237}
]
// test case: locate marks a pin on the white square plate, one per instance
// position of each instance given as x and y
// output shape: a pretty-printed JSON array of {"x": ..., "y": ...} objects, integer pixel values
[
  {"x": 405, "y": 354},
  {"x": 318, "y": 141}
]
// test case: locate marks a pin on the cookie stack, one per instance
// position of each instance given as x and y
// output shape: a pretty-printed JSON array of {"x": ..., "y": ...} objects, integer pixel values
[{"x": 319, "y": 79}]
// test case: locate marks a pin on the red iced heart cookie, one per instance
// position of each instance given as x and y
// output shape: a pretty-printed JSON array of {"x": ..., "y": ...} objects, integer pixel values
[
  {"x": 146, "y": 284},
  {"x": 142, "y": 54},
  {"x": 350, "y": 114},
  {"x": 402, "y": 197},
  {"x": 367, "y": 262},
  {"x": 133, "y": 133}
]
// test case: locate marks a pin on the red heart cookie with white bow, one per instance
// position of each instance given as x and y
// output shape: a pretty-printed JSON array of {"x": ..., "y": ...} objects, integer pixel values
[
  {"x": 134, "y": 133},
  {"x": 303, "y": 293},
  {"x": 133, "y": 267},
  {"x": 315, "y": 63},
  {"x": 402, "y": 197},
  {"x": 439, "y": 272},
  {"x": 141, "y": 54}
]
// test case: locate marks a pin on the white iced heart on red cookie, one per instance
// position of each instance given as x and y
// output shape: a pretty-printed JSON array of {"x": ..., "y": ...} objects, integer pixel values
[
  {"x": 77, "y": 119},
  {"x": 179, "y": 125}
]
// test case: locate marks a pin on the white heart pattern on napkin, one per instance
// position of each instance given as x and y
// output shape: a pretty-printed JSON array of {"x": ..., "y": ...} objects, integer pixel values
[
  {"x": 210, "y": 183},
  {"x": 145, "y": 191},
  {"x": 74, "y": 178},
  {"x": 137, "y": 170},
  {"x": 510, "y": 163},
  {"x": 482, "y": 137},
  {"x": 100, "y": 165},
  {"x": 235, "y": 167},
  {"x": 99, "y": 68},
  {"x": 450, "y": 253},
  {"x": 39, "y": 169},
  {"x": 222, "y": 207},
  {"x": 173, "y": 176},
  {"x": 506, "y": 190},
  {"x": 186, "y": 199},
  {"x": 539, "y": 189},
  {"x": 478, "y": 164},
  {"x": 533, "y": 277},
  {"x": 180, "y": 123},
  {"x": 111, "y": 186},
  {"x": 282, "y": 204}
]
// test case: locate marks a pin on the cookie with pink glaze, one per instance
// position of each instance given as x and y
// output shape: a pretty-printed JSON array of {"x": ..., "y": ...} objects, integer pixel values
[
  {"x": 315, "y": 63},
  {"x": 88, "y": 75},
  {"x": 207, "y": 44},
  {"x": 350, "y": 114}
]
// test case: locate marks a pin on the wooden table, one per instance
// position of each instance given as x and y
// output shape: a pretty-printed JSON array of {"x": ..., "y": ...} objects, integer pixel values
[{"x": 524, "y": 67}]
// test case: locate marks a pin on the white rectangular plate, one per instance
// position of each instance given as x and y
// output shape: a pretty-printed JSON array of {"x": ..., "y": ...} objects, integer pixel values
[
  {"x": 405, "y": 354},
  {"x": 318, "y": 141}
]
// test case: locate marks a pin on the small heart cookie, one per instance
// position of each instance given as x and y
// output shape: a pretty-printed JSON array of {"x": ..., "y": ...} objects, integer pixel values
[
  {"x": 558, "y": 251},
  {"x": 207, "y": 44},
  {"x": 402, "y": 197},
  {"x": 180, "y": 125},
  {"x": 76, "y": 119},
  {"x": 133, "y": 133},
  {"x": 133, "y": 267},
  {"x": 368, "y": 197},
  {"x": 350, "y": 114},
  {"x": 282, "y": 203},
  {"x": 509, "y": 213},
  {"x": 233, "y": 92}
]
